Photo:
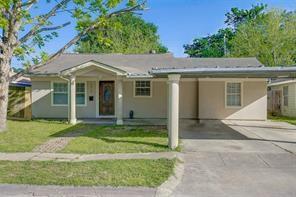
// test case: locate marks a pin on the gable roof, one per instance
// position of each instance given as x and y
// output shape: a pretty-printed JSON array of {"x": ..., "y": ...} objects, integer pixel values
[{"x": 140, "y": 64}]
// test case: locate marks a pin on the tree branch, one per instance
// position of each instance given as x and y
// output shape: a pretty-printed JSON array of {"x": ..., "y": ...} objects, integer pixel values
[
  {"x": 90, "y": 28},
  {"x": 45, "y": 17}
]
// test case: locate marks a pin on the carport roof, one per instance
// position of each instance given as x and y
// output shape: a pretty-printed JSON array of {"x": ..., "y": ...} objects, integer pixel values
[{"x": 237, "y": 72}]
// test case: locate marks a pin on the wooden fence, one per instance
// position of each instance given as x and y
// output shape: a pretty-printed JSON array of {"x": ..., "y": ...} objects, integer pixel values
[
  {"x": 19, "y": 103},
  {"x": 274, "y": 102}
]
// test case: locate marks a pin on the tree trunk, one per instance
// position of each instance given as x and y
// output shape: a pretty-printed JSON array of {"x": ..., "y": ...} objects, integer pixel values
[{"x": 4, "y": 85}]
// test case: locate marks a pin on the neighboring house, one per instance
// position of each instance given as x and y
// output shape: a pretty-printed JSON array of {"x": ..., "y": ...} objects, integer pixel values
[
  {"x": 155, "y": 86},
  {"x": 19, "y": 98},
  {"x": 282, "y": 97}
]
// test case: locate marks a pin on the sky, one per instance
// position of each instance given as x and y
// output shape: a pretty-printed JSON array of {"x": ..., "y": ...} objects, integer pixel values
[{"x": 178, "y": 21}]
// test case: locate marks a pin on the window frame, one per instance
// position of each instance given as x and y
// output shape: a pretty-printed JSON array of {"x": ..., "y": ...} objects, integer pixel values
[
  {"x": 52, "y": 94},
  {"x": 68, "y": 93},
  {"x": 241, "y": 94},
  {"x": 287, "y": 96},
  {"x": 142, "y": 96}
]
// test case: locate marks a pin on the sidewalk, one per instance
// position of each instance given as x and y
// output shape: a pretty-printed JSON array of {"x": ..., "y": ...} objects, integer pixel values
[
  {"x": 65, "y": 191},
  {"x": 32, "y": 156}
]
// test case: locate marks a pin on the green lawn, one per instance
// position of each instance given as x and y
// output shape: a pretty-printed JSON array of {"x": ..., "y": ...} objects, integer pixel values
[
  {"x": 120, "y": 139},
  {"x": 150, "y": 173},
  {"x": 283, "y": 119}
]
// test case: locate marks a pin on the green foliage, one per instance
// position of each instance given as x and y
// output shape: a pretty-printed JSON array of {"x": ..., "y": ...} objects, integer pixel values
[
  {"x": 210, "y": 46},
  {"x": 219, "y": 44},
  {"x": 239, "y": 16},
  {"x": 122, "y": 34},
  {"x": 271, "y": 38}
]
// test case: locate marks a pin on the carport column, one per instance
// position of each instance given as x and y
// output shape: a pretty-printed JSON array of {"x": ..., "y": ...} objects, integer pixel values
[
  {"x": 119, "y": 94},
  {"x": 173, "y": 115},
  {"x": 72, "y": 99}
]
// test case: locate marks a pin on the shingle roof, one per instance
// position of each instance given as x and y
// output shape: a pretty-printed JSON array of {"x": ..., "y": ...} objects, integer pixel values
[{"x": 141, "y": 63}]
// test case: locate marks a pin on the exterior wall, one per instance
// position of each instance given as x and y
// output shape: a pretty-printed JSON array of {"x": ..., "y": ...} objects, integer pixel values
[
  {"x": 289, "y": 110},
  {"x": 212, "y": 100},
  {"x": 156, "y": 105},
  {"x": 41, "y": 100}
]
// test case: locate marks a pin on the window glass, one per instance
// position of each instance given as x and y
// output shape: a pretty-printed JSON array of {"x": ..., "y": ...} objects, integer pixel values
[
  {"x": 142, "y": 88},
  {"x": 286, "y": 95},
  {"x": 60, "y": 93},
  {"x": 80, "y": 93},
  {"x": 233, "y": 97}
]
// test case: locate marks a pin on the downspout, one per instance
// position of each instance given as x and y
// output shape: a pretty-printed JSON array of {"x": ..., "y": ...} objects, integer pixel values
[{"x": 68, "y": 106}]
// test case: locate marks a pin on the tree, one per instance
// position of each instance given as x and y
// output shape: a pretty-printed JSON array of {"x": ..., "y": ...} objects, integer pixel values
[
  {"x": 238, "y": 16},
  {"x": 219, "y": 44},
  {"x": 132, "y": 35},
  {"x": 272, "y": 39},
  {"x": 23, "y": 30},
  {"x": 215, "y": 45}
]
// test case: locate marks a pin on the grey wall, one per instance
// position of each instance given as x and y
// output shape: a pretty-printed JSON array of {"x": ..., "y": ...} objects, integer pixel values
[{"x": 41, "y": 102}]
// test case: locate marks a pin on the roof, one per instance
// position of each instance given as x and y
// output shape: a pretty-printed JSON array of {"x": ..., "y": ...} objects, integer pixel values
[
  {"x": 137, "y": 64},
  {"x": 18, "y": 79}
]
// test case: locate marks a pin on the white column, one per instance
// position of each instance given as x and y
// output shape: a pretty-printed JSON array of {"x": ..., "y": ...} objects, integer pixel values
[
  {"x": 173, "y": 110},
  {"x": 72, "y": 99},
  {"x": 119, "y": 104}
]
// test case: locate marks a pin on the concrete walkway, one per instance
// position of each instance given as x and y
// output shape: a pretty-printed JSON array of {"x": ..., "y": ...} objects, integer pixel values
[{"x": 30, "y": 156}]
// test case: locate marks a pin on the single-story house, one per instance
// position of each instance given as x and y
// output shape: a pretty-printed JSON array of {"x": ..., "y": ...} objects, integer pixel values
[
  {"x": 157, "y": 86},
  {"x": 282, "y": 97}
]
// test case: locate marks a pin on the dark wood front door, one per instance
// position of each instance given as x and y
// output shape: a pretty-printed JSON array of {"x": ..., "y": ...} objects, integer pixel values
[{"x": 106, "y": 98}]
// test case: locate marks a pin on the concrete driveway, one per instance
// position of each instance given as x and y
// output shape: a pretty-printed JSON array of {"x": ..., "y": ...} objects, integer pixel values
[{"x": 238, "y": 158}]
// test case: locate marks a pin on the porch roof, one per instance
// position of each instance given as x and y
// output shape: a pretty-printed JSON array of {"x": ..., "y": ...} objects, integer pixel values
[{"x": 250, "y": 72}]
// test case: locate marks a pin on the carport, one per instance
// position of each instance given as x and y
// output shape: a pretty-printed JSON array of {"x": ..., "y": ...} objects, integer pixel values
[{"x": 174, "y": 74}]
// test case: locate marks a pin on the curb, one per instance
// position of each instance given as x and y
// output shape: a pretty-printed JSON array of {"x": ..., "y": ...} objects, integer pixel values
[{"x": 167, "y": 188}]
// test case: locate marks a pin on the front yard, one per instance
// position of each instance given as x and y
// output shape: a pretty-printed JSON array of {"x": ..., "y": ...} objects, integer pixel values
[
  {"x": 24, "y": 136},
  {"x": 134, "y": 172}
]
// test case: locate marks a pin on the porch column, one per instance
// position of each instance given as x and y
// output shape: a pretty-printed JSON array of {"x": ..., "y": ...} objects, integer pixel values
[
  {"x": 72, "y": 99},
  {"x": 119, "y": 106},
  {"x": 173, "y": 110}
]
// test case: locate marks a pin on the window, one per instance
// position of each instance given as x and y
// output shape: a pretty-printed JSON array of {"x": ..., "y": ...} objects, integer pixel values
[
  {"x": 80, "y": 93},
  {"x": 60, "y": 93},
  {"x": 285, "y": 95},
  {"x": 233, "y": 94},
  {"x": 143, "y": 88}
]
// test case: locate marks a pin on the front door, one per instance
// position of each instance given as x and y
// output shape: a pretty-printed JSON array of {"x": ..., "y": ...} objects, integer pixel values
[{"x": 106, "y": 106}]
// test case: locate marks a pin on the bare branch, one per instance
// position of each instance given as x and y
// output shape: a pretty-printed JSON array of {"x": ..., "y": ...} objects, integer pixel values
[
  {"x": 45, "y": 17},
  {"x": 91, "y": 28},
  {"x": 52, "y": 28},
  {"x": 28, "y": 3}
]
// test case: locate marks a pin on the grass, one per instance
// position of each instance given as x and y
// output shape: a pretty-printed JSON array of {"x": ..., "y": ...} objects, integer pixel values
[
  {"x": 23, "y": 136},
  {"x": 290, "y": 120},
  {"x": 120, "y": 139},
  {"x": 141, "y": 172}
]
